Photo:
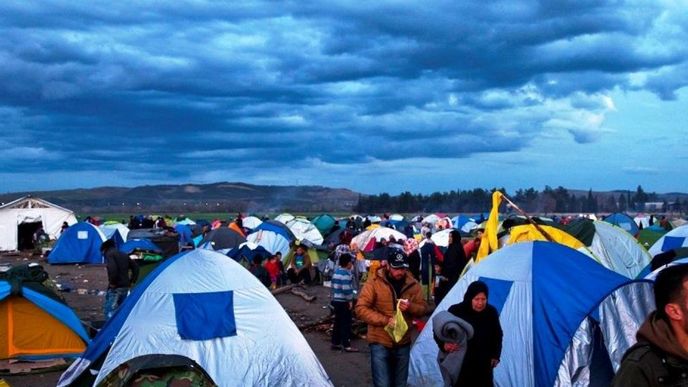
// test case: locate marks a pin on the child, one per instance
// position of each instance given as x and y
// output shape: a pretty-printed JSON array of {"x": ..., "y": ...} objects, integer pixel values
[
  {"x": 259, "y": 271},
  {"x": 342, "y": 301},
  {"x": 273, "y": 268}
]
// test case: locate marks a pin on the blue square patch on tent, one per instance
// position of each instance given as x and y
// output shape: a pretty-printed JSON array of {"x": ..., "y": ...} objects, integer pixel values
[
  {"x": 205, "y": 316},
  {"x": 671, "y": 243},
  {"x": 498, "y": 291}
]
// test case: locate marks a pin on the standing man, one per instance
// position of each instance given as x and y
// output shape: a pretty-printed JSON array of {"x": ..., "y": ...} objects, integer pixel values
[
  {"x": 377, "y": 305},
  {"x": 119, "y": 280},
  {"x": 660, "y": 357}
]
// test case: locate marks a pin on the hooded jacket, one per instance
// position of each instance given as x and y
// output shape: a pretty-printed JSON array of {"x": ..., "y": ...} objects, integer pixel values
[
  {"x": 657, "y": 359},
  {"x": 378, "y": 302}
]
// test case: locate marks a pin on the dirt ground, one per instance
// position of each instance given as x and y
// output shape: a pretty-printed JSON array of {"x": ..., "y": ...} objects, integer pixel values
[{"x": 85, "y": 282}]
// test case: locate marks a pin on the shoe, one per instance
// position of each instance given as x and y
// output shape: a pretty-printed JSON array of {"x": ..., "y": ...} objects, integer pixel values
[
  {"x": 351, "y": 349},
  {"x": 336, "y": 347}
]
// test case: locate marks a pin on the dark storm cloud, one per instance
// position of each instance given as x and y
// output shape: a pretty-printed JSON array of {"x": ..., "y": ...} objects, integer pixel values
[{"x": 140, "y": 88}]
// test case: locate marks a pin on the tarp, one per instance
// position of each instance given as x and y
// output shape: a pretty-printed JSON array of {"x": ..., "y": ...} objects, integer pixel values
[
  {"x": 206, "y": 307},
  {"x": 80, "y": 243},
  {"x": 551, "y": 299},
  {"x": 139, "y": 244}
]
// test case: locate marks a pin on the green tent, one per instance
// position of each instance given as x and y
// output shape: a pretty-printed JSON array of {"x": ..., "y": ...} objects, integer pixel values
[
  {"x": 324, "y": 223},
  {"x": 648, "y": 237}
]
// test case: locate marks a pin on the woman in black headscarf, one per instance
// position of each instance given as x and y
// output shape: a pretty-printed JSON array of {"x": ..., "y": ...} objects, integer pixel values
[
  {"x": 452, "y": 266},
  {"x": 485, "y": 348}
]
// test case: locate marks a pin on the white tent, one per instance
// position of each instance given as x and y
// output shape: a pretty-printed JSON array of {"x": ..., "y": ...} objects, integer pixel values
[
  {"x": 110, "y": 229},
  {"x": 304, "y": 230},
  {"x": 251, "y": 222},
  {"x": 618, "y": 250},
  {"x": 366, "y": 240},
  {"x": 206, "y": 307},
  {"x": 284, "y": 217},
  {"x": 24, "y": 215}
]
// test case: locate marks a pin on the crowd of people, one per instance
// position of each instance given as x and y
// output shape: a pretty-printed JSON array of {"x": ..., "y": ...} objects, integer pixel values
[{"x": 406, "y": 279}]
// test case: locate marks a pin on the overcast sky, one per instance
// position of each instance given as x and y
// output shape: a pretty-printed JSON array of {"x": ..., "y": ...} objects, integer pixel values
[{"x": 380, "y": 97}]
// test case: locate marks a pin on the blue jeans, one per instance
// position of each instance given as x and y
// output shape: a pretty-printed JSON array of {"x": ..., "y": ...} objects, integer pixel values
[
  {"x": 390, "y": 365},
  {"x": 113, "y": 299}
]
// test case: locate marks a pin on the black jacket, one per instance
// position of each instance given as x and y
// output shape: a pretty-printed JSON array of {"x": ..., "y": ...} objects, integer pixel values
[
  {"x": 118, "y": 267},
  {"x": 655, "y": 360},
  {"x": 485, "y": 345},
  {"x": 454, "y": 262}
]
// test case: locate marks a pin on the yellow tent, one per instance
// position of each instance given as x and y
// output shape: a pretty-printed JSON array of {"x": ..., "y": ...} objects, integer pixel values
[{"x": 528, "y": 232}]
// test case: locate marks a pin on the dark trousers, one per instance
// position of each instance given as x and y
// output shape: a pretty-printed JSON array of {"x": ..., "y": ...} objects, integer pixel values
[
  {"x": 341, "y": 332},
  {"x": 303, "y": 275}
]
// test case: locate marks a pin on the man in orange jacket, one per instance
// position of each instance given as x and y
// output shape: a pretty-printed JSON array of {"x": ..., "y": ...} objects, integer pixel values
[{"x": 377, "y": 305}]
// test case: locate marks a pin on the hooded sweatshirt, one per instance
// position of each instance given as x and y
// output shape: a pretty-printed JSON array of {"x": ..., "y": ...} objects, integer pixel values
[{"x": 657, "y": 359}]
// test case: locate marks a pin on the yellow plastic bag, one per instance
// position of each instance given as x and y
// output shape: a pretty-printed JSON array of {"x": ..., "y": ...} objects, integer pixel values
[{"x": 400, "y": 327}]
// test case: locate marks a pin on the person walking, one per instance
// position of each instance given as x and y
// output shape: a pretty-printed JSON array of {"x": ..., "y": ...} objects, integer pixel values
[
  {"x": 377, "y": 306},
  {"x": 122, "y": 272},
  {"x": 660, "y": 357},
  {"x": 485, "y": 347}
]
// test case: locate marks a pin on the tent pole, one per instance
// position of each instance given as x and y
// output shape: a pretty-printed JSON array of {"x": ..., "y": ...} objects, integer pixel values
[{"x": 529, "y": 219}]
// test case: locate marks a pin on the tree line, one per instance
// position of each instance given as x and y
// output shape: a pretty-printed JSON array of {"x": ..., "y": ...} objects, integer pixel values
[{"x": 550, "y": 200}]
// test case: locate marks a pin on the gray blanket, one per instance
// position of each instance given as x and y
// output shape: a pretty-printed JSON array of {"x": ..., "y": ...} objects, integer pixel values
[{"x": 451, "y": 329}]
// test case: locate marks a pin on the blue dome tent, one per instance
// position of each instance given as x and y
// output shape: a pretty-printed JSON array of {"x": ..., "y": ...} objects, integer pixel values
[
  {"x": 79, "y": 243},
  {"x": 566, "y": 319}
]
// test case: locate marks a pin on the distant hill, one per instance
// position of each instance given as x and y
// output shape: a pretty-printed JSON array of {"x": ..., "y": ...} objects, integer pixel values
[
  {"x": 259, "y": 199},
  {"x": 216, "y": 197}
]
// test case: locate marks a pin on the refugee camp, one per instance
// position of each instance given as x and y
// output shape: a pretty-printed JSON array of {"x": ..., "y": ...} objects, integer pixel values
[
  {"x": 253, "y": 299},
  {"x": 347, "y": 194}
]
